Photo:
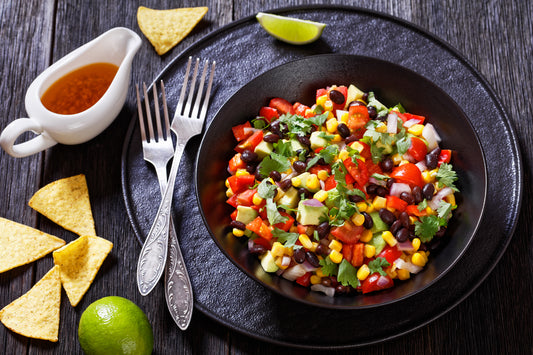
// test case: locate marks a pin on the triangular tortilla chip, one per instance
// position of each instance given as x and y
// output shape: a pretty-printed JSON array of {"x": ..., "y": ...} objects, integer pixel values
[
  {"x": 166, "y": 28},
  {"x": 20, "y": 244},
  {"x": 36, "y": 313},
  {"x": 66, "y": 202},
  {"x": 79, "y": 262}
]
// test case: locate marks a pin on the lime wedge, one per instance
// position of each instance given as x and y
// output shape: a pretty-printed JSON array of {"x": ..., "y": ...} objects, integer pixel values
[{"x": 290, "y": 30}]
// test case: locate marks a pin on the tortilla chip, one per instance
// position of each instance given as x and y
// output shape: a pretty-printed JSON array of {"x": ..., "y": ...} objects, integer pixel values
[
  {"x": 66, "y": 202},
  {"x": 20, "y": 244},
  {"x": 36, "y": 313},
  {"x": 79, "y": 262},
  {"x": 166, "y": 28}
]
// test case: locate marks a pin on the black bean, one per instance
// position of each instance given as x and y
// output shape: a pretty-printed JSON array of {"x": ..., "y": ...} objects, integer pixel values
[
  {"x": 402, "y": 235},
  {"x": 275, "y": 175},
  {"x": 326, "y": 281},
  {"x": 417, "y": 194},
  {"x": 428, "y": 190},
  {"x": 387, "y": 216},
  {"x": 312, "y": 258},
  {"x": 350, "y": 139},
  {"x": 323, "y": 230},
  {"x": 372, "y": 189},
  {"x": 321, "y": 249},
  {"x": 257, "y": 174},
  {"x": 365, "y": 97},
  {"x": 356, "y": 103},
  {"x": 387, "y": 164},
  {"x": 372, "y": 112},
  {"x": 381, "y": 191},
  {"x": 257, "y": 249},
  {"x": 343, "y": 129},
  {"x": 407, "y": 197},
  {"x": 283, "y": 128},
  {"x": 271, "y": 138},
  {"x": 340, "y": 289},
  {"x": 395, "y": 227},
  {"x": 355, "y": 198},
  {"x": 304, "y": 140},
  {"x": 390, "y": 181},
  {"x": 275, "y": 127},
  {"x": 299, "y": 255},
  {"x": 305, "y": 192},
  {"x": 404, "y": 219},
  {"x": 369, "y": 222},
  {"x": 250, "y": 168},
  {"x": 299, "y": 166},
  {"x": 248, "y": 156},
  {"x": 432, "y": 158},
  {"x": 285, "y": 184},
  {"x": 337, "y": 97},
  {"x": 238, "y": 225}
]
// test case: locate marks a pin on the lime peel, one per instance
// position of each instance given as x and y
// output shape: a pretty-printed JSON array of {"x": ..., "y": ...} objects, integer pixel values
[{"x": 289, "y": 29}]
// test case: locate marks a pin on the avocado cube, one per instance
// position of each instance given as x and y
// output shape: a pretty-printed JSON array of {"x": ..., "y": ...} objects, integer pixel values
[
  {"x": 263, "y": 149},
  {"x": 311, "y": 215},
  {"x": 245, "y": 214},
  {"x": 317, "y": 141},
  {"x": 290, "y": 198}
]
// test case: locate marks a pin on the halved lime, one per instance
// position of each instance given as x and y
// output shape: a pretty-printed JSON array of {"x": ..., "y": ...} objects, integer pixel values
[{"x": 289, "y": 29}]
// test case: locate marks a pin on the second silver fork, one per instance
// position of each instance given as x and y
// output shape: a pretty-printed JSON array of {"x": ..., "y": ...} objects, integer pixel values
[{"x": 158, "y": 151}]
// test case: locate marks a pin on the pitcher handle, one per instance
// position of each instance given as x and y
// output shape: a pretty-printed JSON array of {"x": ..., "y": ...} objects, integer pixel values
[{"x": 32, "y": 146}]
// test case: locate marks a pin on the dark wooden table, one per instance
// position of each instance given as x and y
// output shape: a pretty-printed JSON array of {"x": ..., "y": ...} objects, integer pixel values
[{"x": 496, "y": 37}]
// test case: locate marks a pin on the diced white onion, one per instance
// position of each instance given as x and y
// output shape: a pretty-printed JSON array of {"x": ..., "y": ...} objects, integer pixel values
[
  {"x": 340, "y": 113},
  {"x": 408, "y": 157},
  {"x": 308, "y": 267},
  {"x": 410, "y": 123},
  {"x": 329, "y": 291},
  {"x": 392, "y": 123},
  {"x": 430, "y": 135},
  {"x": 398, "y": 187},
  {"x": 294, "y": 272},
  {"x": 435, "y": 201},
  {"x": 375, "y": 181},
  {"x": 286, "y": 260},
  {"x": 403, "y": 265},
  {"x": 421, "y": 166}
]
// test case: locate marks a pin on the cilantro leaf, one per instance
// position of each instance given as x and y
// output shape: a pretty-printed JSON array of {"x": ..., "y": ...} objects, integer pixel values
[
  {"x": 273, "y": 162},
  {"x": 285, "y": 238},
  {"x": 428, "y": 226},
  {"x": 283, "y": 148},
  {"x": 422, "y": 205},
  {"x": 403, "y": 145},
  {"x": 380, "y": 108},
  {"x": 273, "y": 214},
  {"x": 377, "y": 265},
  {"x": 444, "y": 209},
  {"x": 446, "y": 176},
  {"x": 348, "y": 274},
  {"x": 328, "y": 154},
  {"x": 329, "y": 268},
  {"x": 266, "y": 189},
  {"x": 319, "y": 119}
]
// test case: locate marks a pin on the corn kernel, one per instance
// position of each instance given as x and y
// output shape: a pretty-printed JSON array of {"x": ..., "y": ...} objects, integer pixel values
[
  {"x": 335, "y": 256},
  {"x": 381, "y": 128},
  {"x": 370, "y": 208},
  {"x": 315, "y": 280},
  {"x": 241, "y": 172},
  {"x": 416, "y": 129},
  {"x": 227, "y": 183},
  {"x": 296, "y": 181},
  {"x": 306, "y": 242},
  {"x": 403, "y": 274},
  {"x": 369, "y": 250},
  {"x": 412, "y": 219},
  {"x": 312, "y": 182},
  {"x": 321, "y": 195},
  {"x": 319, "y": 273},
  {"x": 396, "y": 159},
  {"x": 344, "y": 117},
  {"x": 330, "y": 115},
  {"x": 363, "y": 272},
  {"x": 321, "y": 100},
  {"x": 429, "y": 210},
  {"x": 322, "y": 175},
  {"x": 403, "y": 162},
  {"x": 426, "y": 176},
  {"x": 366, "y": 236},
  {"x": 361, "y": 206},
  {"x": 335, "y": 245},
  {"x": 357, "y": 146},
  {"x": 331, "y": 125},
  {"x": 336, "y": 138},
  {"x": 343, "y": 155},
  {"x": 313, "y": 246},
  {"x": 389, "y": 238},
  {"x": 257, "y": 200},
  {"x": 277, "y": 249},
  {"x": 391, "y": 273},
  {"x": 279, "y": 194},
  {"x": 379, "y": 202},
  {"x": 450, "y": 199},
  {"x": 328, "y": 105},
  {"x": 391, "y": 209},
  {"x": 229, "y": 192},
  {"x": 416, "y": 243},
  {"x": 358, "y": 219},
  {"x": 418, "y": 259},
  {"x": 237, "y": 232}
]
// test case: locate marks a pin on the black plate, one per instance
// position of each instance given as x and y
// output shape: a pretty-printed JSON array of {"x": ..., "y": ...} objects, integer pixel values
[
  {"x": 242, "y": 51},
  {"x": 297, "y": 81}
]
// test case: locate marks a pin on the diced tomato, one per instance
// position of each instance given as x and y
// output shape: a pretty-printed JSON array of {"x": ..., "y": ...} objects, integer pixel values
[
  {"x": 348, "y": 232},
  {"x": 408, "y": 173},
  {"x": 300, "y": 109},
  {"x": 262, "y": 241},
  {"x": 242, "y": 131},
  {"x": 259, "y": 227},
  {"x": 390, "y": 254},
  {"x": 232, "y": 201},
  {"x": 347, "y": 251},
  {"x": 286, "y": 225},
  {"x": 349, "y": 179},
  {"x": 283, "y": 106},
  {"x": 302, "y": 229},
  {"x": 445, "y": 156},
  {"x": 397, "y": 203},
  {"x": 344, "y": 91},
  {"x": 365, "y": 153},
  {"x": 234, "y": 215},
  {"x": 330, "y": 183},
  {"x": 316, "y": 168},
  {"x": 240, "y": 183},
  {"x": 357, "y": 254},
  {"x": 412, "y": 210},
  {"x": 321, "y": 92},
  {"x": 358, "y": 171},
  {"x": 371, "y": 283},
  {"x": 304, "y": 280},
  {"x": 236, "y": 163},
  {"x": 246, "y": 197},
  {"x": 269, "y": 113},
  {"x": 418, "y": 149},
  {"x": 251, "y": 142},
  {"x": 358, "y": 117},
  {"x": 373, "y": 168},
  {"x": 409, "y": 116}
]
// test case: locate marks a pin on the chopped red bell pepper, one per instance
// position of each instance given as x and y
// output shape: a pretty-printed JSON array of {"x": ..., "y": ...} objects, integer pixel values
[
  {"x": 357, "y": 254},
  {"x": 282, "y": 105},
  {"x": 412, "y": 210},
  {"x": 390, "y": 254},
  {"x": 236, "y": 163},
  {"x": 251, "y": 142},
  {"x": 240, "y": 183},
  {"x": 358, "y": 170},
  {"x": 242, "y": 131},
  {"x": 348, "y": 232},
  {"x": 409, "y": 116},
  {"x": 300, "y": 109},
  {"x": 304, "y": 280},
  {"x": 445, "y": 156},
  {"x": 259, "y": 227},
  {"x": 316, "y": 168},
  {"x": 232, "y": 201},
  {"x": 246, "y": 197},
  {"x": 269, "y": 113},
  {"x": 330, "y": 183},
  {"x": 397, "y": 203},
  {"x": 371, "y": 283},
  {"x": 285, "y": 226},
  {"x": 321, "y": 92}
]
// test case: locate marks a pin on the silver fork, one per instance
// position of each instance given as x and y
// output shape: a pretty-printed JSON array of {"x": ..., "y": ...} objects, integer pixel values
[
  {"x": 186, "y": 124},
  {"x": 158, "y": 151}
]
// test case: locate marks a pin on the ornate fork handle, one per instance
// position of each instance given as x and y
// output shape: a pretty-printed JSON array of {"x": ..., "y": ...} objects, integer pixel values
[{"x": 153, "y": 255}]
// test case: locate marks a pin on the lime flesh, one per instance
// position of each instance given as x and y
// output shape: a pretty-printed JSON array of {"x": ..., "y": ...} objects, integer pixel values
[{"x": 290, "y": 30}]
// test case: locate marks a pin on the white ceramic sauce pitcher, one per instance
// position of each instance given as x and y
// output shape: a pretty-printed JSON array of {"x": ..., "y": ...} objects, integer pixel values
[{"x": 116, "y": 46}]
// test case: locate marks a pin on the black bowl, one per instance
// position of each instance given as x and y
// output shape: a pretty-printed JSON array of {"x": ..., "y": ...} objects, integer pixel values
[{"x": 298, "y": 81}]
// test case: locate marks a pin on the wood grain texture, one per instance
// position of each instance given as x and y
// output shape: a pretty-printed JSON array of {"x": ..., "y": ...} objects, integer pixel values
[{"x": 495, "y": 36}]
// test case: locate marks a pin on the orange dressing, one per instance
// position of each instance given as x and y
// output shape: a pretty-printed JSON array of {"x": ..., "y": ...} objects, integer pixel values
[{"x": 80, "y": 89}]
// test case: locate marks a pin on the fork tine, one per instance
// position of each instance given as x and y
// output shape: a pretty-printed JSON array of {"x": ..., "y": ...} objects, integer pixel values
[
  {"x": 196, "y": 106},
  {"x": 157, "y": 115},
  {"x": 140, "y": 114},
  {"x": 208, "y": 92},
  {"x": 179, "y": 107},
  {"x": 191, "y": 89},
  {"x": 165, "y": 110},
  {"x": 148, "y": 114}
]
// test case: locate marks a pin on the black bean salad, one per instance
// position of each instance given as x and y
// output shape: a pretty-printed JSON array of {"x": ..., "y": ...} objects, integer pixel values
[{"x": 343, "y": 196}]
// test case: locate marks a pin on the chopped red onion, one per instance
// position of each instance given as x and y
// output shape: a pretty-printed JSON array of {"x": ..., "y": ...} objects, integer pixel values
[
  {"x": 307, "y": 266},
  {"x": 313, "y": 202},
  {"x": 392, "y": 123},
  {"x": 397, "y": 188},
  {"x": 329, "y": 291},
  {"x": 435, "y": 201},
  {"x": 405, "y": 246},
  {"x": 382, "y": 281},
  {"x": 294, "y": 272}
]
